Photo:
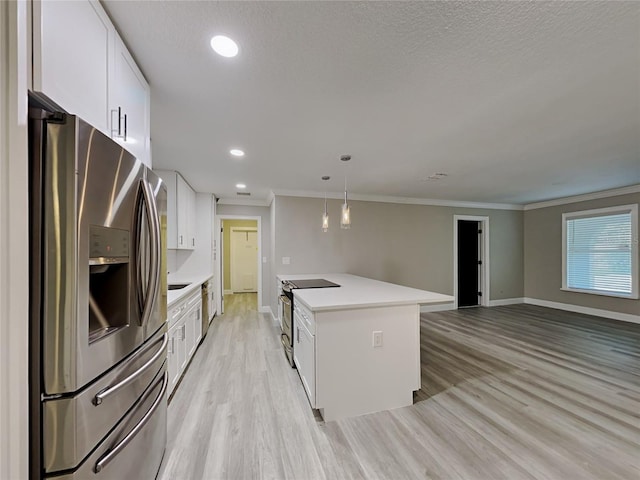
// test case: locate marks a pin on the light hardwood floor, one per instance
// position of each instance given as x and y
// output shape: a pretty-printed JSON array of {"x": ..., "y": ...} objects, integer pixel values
[{"x": 518, "y": 392}]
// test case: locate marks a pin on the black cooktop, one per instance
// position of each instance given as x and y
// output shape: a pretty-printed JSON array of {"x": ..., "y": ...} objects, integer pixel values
[{"x": 312, "y": 283}]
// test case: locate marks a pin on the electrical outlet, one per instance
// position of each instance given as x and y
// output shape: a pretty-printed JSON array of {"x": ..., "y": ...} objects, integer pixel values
[
  {"x": 377, "y": 339},
  {"x": 286, "y": 260}
]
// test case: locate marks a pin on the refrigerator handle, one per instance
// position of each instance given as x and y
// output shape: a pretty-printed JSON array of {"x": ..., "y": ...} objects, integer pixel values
[
  {"x": 100, "y": 396},
  {"x": 154, "y": 252},
  {"x": 113, "y": 453}
]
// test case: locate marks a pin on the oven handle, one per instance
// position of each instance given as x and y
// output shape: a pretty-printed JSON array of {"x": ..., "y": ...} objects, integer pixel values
[
  {"x": 286, "y": 344},
  {"x": 284, "y": 299},
  {"x": 100, "y": 396},
  {"x": 111, "y": 454}
]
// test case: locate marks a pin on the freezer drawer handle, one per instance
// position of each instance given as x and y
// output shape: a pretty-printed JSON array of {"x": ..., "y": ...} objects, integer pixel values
[
  {"x": 100, "y": 396},
  {"x": 111, "y": 454}
]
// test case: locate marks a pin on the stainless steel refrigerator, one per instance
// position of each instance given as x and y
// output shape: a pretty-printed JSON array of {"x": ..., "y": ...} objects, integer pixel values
[{"x": 98, "y": 305}]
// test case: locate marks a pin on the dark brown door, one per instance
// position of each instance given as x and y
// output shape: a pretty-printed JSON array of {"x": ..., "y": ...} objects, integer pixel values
[{"x": 468, "y": 263}]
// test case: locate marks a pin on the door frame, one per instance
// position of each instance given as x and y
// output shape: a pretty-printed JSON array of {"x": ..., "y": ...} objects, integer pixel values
[
  {"x": 232, "y": 249},
  {"x": 485, "y": 268},
  {"x": 218, "y": 264}
]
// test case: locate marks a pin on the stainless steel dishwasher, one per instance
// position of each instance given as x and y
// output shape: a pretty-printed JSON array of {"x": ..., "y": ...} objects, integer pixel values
[{"x": 205, "y": 308}]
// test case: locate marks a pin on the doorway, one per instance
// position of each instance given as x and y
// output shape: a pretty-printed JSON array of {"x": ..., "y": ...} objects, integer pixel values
[
  {"x": 242, "y": 274},
  {"x": 239, "y": 265},
  {"x": 471, "y": 261}
]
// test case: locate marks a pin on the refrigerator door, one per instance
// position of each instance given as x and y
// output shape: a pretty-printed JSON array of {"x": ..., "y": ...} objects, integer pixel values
[
  {"x": 90, "y": 196},
  {"x": 74, "y": 425},
  {"x": 134, "y": 449},
  {"x": 149, "y": 308}
]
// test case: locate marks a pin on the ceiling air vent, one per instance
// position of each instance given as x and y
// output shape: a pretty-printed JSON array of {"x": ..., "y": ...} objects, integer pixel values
[{"x": 244, "y": 194}]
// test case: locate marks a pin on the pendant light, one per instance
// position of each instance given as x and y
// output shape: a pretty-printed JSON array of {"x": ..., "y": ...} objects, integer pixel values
[
  {"x": 345, "y": 219},
  {"x": 325, "y": 216}
]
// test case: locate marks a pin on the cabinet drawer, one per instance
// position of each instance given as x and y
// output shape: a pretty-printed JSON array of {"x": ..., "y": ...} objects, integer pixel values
[
  {"x": 177, "y": 311},
  {"x": 306, "y": 316}
]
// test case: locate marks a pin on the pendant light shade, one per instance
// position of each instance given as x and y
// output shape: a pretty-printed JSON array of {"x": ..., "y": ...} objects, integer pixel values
[
  {"x": 345, "y": 218},
  {"x": 325, "y": 216}
]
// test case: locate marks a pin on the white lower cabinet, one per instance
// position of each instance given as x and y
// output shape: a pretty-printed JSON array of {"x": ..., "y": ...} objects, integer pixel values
[
  {"x": 185, "y": 332},
  {"x": 304, "y": 354}
]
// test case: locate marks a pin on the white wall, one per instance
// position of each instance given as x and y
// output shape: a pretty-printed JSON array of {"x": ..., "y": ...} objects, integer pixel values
[
  {"x": 14, "y": 256},
  {"x": 409, "y": 245}
]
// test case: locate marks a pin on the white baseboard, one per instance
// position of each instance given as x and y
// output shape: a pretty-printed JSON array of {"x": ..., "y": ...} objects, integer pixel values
[
  {"x": 441, "y": 307},
  {"x": 625, "y": 317},
  {"x": 506, "y": 301}
]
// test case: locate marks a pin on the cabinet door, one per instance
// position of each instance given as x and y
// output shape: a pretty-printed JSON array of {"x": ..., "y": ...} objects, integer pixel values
[
  {"x": 129, "y": 104},
  {"x": 172, "y": 358},
  {"x": 190, "y": 342},
  {"x": 182, "y": 345},
  {"x": 183, "y": 199},
  {"x": 191, "y": 218},
  {"x": 305, "y": 360},
  {"x": 71, "y": 49}
]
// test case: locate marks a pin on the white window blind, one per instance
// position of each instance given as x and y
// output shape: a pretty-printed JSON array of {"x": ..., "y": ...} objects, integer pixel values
[{"x": 601, "y": 251}]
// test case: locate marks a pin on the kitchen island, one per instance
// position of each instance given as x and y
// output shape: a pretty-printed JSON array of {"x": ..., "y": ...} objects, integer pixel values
[{"x": 357, "y": 346}]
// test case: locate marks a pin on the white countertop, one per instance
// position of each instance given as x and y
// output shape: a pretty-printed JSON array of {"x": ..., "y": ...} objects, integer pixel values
[
  {"x": 195, "y": 282},
  {"x": 360, "y": 292}
]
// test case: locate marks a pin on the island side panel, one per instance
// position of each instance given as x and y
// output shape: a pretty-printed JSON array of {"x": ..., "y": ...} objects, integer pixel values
[{"x": 352, "y": 376}]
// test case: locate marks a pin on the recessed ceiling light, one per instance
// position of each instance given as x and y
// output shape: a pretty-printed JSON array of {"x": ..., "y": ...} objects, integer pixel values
[
  {"x": 236, "y": 152},
  {"x": 240, "y": 185},
  {"x": 224, "y": 46}
]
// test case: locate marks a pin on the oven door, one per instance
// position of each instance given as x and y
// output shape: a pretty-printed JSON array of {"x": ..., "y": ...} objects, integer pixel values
[{"x": 286, "y": 325}]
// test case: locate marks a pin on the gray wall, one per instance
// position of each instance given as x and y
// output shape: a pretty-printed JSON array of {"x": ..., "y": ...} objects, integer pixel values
[
  {"x": 410, "y": 245},
  {"x": 543, "y": 256},
  {"x": 265, "y": 241}
]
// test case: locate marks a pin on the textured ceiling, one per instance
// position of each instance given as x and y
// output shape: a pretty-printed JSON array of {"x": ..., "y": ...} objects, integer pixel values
[{"x": 517, "y": 102}]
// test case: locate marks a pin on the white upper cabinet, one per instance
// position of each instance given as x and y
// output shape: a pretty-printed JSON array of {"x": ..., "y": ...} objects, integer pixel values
[
  {"x": 181, "y": 211},
  {"x": 129, "y": 100},
  {"x": 82, "y": 65},
  {"x": 71, "y": 50}
]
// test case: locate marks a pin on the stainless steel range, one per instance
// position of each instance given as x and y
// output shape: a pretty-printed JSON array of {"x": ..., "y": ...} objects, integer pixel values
[
  {"x": 98, "y": 305},
  {"x": 286, "y": 309}
]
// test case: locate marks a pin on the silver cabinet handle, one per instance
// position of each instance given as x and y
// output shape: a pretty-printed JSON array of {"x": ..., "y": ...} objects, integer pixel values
[
  {"x": 184, "y": 332},
  {"x": 100, "y": 396},
  {"x": 125, "y": 127},
  {"x": 298, "y": 334},
  {"x": 111, "y": 454},
  {"x": 180, "y": 239},
  {"x": 193, "y": 242}
]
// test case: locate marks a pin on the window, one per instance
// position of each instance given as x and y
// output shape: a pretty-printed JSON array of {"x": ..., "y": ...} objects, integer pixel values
[{"x": 600, "y": 251}]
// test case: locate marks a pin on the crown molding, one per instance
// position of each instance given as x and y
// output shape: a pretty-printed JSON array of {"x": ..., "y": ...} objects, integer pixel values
[
  {"x": 400, "y": 200},
  {"x": 583, "y": 198}
]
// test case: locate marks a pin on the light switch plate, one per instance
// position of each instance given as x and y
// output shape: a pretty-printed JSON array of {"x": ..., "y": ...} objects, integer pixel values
[
  {"x": 377, "y": 339},
  {"x": 286, "y": 260}
]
